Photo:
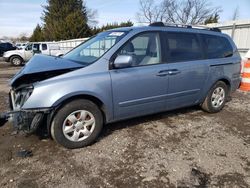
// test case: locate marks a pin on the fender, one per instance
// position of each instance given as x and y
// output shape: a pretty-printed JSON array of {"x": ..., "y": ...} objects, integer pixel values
[
  {"x": 211, "y": 84},
  {"x": 89, "y": 95}
]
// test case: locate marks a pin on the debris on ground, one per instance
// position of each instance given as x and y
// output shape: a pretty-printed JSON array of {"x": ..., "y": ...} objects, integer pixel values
[{"x": 24, "y": 153}]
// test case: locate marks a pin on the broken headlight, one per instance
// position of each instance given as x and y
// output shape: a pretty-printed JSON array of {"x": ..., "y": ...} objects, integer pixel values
[{"x": 20, "y": 95}]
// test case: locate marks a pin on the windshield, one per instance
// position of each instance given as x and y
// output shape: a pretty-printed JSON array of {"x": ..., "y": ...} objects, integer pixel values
[{"x": 93, "y": 49}]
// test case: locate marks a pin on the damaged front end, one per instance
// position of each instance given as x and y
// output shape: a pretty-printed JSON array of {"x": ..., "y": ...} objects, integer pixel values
[
  {"x": 38, "y": 69},
  {"x": 24, "y": 120}
]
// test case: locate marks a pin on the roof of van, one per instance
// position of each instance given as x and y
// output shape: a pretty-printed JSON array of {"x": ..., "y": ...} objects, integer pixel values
[{"x": 172, "y": 27}]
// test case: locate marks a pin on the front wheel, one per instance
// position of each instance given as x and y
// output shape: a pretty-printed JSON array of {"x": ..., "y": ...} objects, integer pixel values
[
  {"x": 16, "y": 60},
  {"x": 77, "y": 124},
  {"x": 216, "y": 98}
]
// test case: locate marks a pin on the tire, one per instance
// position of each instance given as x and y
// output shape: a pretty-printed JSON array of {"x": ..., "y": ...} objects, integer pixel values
[
  {"x": 216, "y": 98},
  {"x": 16, "y": 61},
  {"x": 77, "y": 124}
]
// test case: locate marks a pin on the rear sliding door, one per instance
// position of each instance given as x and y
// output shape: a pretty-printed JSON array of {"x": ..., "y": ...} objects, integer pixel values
[{"x": 188, "y": 69}]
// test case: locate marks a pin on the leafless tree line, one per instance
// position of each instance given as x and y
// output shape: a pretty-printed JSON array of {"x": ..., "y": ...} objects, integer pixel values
[{"x": 176, "y": 11}]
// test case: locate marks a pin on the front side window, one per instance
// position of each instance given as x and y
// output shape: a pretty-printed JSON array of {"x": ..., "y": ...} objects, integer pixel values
[
  {"x": 145, "y": 49},
  {"x": 217, "y": 47},
  {"x": 183, "y": 47},
  {"x": 28, "y": 47},
  {"x": 93, "y": 49}
]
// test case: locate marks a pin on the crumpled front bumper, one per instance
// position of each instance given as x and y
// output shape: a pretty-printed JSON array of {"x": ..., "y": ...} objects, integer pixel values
[{"x": 24, "y": 120}]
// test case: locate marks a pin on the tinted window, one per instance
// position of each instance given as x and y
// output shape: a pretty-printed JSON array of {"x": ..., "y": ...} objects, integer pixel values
[
  {"x": 9, "y": 45},
  {"x": 217, "y": 47},
  {"x": 6, "y": 45},
  {"x": 145, "y": 49},
  {"x": 36, "y": 47},
  {"x": 44, "y": 46},
  {"x": 183, "y": 47}
]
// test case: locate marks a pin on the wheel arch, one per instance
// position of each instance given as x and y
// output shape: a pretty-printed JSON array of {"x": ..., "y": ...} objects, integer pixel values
[
  {"x": 61, "y": 102},
  {"x": 222, "y": 79},
  {"x": 226, "y": 81},
  {"x": 15, "y": 55}
]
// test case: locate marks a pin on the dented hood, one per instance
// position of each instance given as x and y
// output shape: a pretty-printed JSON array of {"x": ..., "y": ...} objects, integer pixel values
[{"x": 41, "y": 67}]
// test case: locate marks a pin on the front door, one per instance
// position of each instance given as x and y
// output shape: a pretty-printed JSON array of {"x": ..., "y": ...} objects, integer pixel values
[
  {"x": 140, "y": 89},
  {"x": 28, "y": 52}
]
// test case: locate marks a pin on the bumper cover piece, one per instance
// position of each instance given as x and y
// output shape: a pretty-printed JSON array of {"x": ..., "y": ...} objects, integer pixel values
[
  {"x": 3, "y": 118},
  {"x": 24, "y": 120},
  {"x": 27, "y": 121}
]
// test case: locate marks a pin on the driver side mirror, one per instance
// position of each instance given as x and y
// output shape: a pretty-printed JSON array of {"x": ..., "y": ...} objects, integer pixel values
[{"x": 123, "y": 61}]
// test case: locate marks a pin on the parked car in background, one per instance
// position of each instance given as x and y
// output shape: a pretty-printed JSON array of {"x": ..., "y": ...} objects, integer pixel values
[
  {"x": 6, "y": 46},
  {"x": 18, "y": 57},
  {"x": 21, "y": 45},
  {"x": 124, "y": 73}
]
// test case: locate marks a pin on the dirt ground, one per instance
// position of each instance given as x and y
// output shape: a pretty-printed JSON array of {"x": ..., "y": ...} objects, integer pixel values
[{"x": 183, "y": 148}]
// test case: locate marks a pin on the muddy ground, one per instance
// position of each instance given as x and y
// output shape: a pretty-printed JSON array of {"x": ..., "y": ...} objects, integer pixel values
[{"x": 183, "y": 148}]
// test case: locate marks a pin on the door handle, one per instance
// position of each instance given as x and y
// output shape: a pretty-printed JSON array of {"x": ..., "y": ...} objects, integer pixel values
[
  {"x": 163, "y": 73},
  {"x": 174, "y": 72},
  {"x": 168, "y": 72}
]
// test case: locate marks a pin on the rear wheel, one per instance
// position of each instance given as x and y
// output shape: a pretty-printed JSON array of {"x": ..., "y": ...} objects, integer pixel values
[
  {"x": 16, "y": 60},
  {"x": 77, "y": 124},
  {"x": 216, "y": 98}
]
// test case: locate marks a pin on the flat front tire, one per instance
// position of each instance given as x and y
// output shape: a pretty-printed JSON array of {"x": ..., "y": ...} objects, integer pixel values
[
  {"x": 77, "y": 124},
  {"x": 216, "y": 98}
]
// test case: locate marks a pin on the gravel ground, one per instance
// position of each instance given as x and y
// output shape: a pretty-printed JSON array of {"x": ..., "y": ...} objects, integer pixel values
[{"x": 183, "y": 148}]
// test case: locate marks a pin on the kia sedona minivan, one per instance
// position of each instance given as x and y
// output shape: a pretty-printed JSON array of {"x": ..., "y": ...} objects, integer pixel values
[{"x": 120, "y": 74}]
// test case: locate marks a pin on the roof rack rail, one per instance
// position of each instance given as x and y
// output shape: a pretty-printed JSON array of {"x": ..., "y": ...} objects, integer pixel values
[{"x": 161, "y": 24}]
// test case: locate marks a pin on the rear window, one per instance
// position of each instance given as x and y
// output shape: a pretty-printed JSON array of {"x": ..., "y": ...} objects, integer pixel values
[
  {"x": 217, "y": 47},
  {"x": 183, "y": 47}
]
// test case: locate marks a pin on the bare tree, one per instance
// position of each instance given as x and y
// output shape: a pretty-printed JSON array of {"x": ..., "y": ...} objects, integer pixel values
[
  {"x": 92, "y": 17},
  {"x": 150, "y": 12},
  {"x": 236, "y": 13},
  {"x": 176, "y": 11}
]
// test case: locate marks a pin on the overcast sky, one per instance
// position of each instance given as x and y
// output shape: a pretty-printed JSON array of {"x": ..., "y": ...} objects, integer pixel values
[{"x": 21, "y": 16}]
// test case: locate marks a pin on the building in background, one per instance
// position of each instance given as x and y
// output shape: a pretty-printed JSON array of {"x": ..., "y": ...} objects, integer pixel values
[{"x": 239, "y": 31}]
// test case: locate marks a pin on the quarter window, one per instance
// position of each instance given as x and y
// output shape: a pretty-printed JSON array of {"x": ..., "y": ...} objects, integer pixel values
[
  {"x": 217, "y": 47},
  {"x": 144, "y": 49},
  {"x": 183, "y": 47}
]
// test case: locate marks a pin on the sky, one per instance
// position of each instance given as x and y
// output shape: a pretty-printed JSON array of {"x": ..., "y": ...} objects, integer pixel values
[{"x": 21, "y": 16}]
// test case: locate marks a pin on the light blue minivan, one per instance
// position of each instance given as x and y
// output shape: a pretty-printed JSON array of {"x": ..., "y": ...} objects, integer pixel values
[{"x": 120, "y": 74}]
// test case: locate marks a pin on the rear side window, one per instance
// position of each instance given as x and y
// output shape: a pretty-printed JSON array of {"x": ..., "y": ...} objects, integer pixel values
[
  {"x": 44, "y": 47},
  {"x": 217, "y": 47},
  {"x": 183, "y": 47}
]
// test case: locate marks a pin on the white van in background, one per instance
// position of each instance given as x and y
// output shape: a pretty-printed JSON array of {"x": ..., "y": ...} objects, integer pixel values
[{"x": 18, "y": 57}]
